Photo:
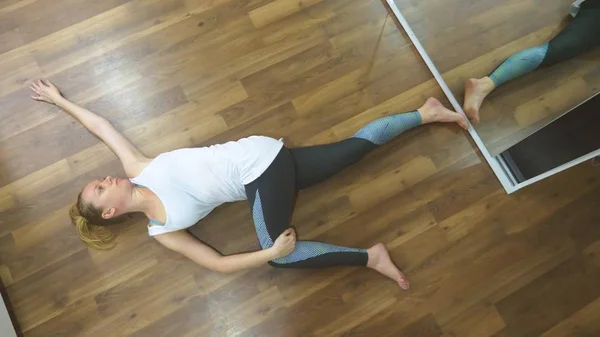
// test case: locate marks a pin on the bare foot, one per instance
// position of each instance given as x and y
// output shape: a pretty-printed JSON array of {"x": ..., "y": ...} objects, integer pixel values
[
  {"x": 475, "y": 92},
  {"x": 379, "y": 260},
  {"x": 433, "y": 111}
]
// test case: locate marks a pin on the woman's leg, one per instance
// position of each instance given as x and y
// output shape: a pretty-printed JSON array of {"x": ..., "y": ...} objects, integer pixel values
[
  {"x": 317, "y": 163},
  {"x": 581, "y": 35},
  {"x": 272, "y": 197}
]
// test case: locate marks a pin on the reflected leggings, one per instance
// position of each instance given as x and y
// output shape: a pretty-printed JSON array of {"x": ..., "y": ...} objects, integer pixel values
[
  {"x": 580, "y": 35},
  {"x": 272, "y": 196}
]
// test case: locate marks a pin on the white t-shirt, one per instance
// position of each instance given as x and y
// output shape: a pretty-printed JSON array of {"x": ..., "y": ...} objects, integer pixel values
[{"x": 192, "y": 182}]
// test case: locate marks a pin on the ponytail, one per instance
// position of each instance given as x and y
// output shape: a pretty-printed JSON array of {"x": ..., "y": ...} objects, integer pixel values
[{"x": 94, "y": 236}]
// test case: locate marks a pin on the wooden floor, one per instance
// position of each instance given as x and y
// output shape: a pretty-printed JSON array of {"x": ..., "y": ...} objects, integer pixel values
[
  {"x": 470, "y": 38},
  {"x": 178, "y": 73}
]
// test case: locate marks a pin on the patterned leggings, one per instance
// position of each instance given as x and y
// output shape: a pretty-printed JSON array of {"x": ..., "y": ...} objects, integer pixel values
[
  {"x": 581, "y": 35},
  {"x": 272, "y": 195}
]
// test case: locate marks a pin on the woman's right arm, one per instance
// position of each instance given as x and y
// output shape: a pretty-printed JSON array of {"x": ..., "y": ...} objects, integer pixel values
[
  {"x": 132, "y": 159},
  {"x": 184, "y": 243}
]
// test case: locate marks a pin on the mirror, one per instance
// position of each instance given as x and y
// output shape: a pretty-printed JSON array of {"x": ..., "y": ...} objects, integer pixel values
[{"x": 472, "y": 39}]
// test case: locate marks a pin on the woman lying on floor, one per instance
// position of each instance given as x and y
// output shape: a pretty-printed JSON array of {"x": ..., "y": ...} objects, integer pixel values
[
  {"x": 177, "y": 189},
  {"x": 581, "y": 35}
]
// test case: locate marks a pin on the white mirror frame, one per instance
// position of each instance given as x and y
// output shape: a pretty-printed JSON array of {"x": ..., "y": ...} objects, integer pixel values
[{"x": 497, "y": 164}]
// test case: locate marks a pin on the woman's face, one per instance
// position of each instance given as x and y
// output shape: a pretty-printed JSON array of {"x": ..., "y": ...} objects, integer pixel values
[{"x": 109, "y": 194}]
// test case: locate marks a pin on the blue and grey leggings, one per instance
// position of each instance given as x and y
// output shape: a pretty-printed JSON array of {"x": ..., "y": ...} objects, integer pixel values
[
  {"x": 579, "y": 36},
  {"x": 272, "y": 196}
]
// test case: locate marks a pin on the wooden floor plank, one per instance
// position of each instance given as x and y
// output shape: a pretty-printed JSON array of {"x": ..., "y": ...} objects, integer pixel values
[
  {"x": 480, "y": 320},
  {"x": 36, "y": 21},
  {"x": 555, "y": 296},
  {"x": 582, "y": 323}
]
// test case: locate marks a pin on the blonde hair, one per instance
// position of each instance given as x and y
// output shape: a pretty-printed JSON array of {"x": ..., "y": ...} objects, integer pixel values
[{"x": 89, "y": 225}]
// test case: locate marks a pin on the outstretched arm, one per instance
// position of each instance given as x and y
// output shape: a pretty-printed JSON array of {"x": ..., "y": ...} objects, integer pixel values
[
  {"x": 184, "y": 243},
  {"x": 132, "y": 159}
]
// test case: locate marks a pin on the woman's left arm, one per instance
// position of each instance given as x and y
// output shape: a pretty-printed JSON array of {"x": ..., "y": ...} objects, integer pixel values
[{"x": 184, "y": 243}]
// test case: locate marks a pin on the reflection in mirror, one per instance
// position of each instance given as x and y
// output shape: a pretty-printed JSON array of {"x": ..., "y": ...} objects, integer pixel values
[
  {"x": 470, "y": 39},
  {"x": 522, "y": 63},
  {"x": 538, "y": 83}
]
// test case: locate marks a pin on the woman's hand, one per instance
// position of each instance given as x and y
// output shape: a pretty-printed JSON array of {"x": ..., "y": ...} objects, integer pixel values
[
  {"x": 45, "y": 91},
  {"x": 285, "y": 243}
]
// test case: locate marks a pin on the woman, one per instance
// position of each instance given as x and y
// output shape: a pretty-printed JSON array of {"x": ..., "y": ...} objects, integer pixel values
[
  {"x": 581, "y": 35},
  {"x": 177, "y": 189}
]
